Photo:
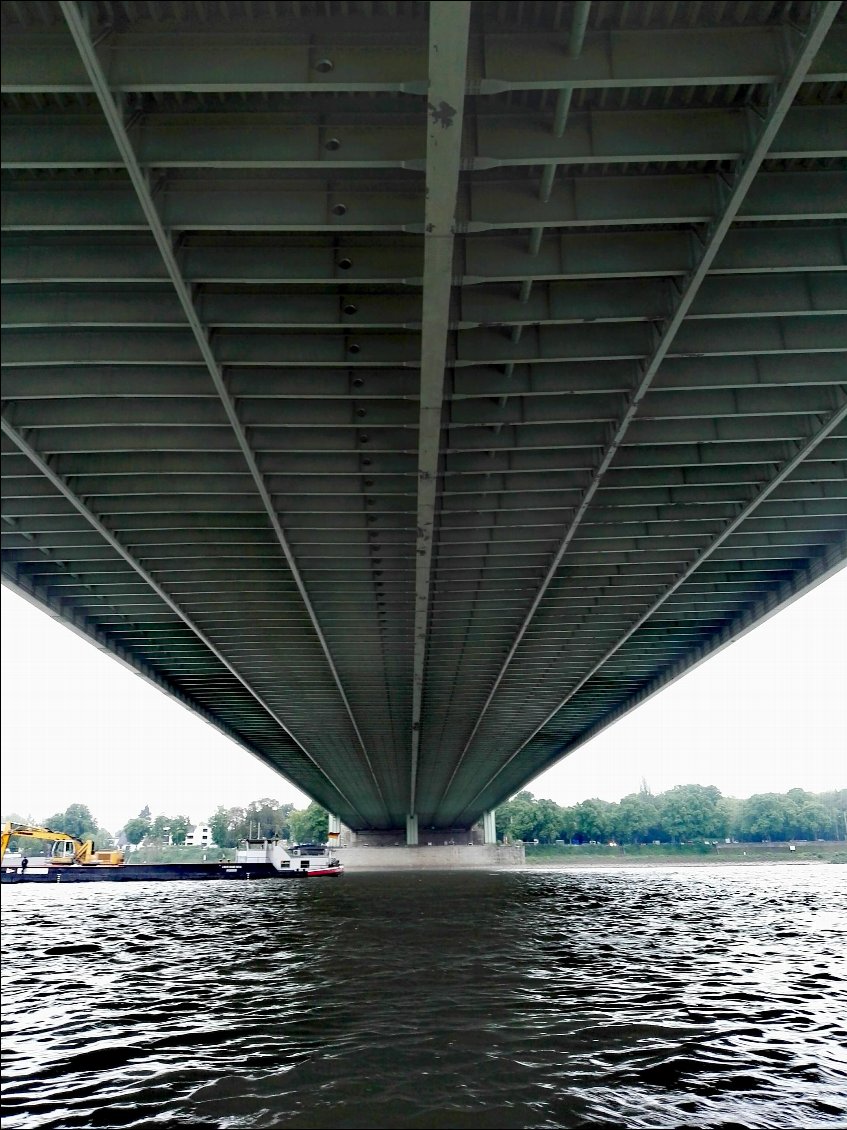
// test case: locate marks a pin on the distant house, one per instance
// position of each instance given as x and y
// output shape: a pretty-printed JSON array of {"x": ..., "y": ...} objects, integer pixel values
[{"x": 199, "y": 836}]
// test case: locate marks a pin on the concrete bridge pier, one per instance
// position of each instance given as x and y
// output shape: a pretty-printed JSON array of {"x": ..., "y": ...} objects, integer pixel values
[
  {"x": 489, "y": 829},
  {"x": 334, "y": 830},
  {"x": 446, "y": 848}
]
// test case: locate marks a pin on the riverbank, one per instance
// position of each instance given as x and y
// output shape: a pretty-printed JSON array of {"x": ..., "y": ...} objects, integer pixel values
[{"x": 689, "y": 855}]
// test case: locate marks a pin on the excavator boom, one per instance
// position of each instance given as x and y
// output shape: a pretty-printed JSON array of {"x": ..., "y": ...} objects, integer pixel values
[{"x": 83, "y": 850}]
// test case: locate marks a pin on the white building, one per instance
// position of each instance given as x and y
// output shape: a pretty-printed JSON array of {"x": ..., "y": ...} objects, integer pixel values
[{"x": 199, "y": 836}]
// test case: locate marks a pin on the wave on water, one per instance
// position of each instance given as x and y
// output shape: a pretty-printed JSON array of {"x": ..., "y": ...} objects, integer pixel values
[{"x": 707, "y": 997}]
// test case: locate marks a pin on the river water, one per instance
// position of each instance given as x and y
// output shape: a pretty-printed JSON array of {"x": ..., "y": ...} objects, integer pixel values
[{"x": 629, "y": 997}]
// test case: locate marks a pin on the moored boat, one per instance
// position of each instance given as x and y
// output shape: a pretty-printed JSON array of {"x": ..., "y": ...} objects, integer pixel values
[{"x": 75, "y": 861}]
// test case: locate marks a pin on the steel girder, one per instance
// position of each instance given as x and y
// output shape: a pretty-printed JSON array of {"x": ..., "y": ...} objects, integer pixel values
[{"x": 411, "y": 390}]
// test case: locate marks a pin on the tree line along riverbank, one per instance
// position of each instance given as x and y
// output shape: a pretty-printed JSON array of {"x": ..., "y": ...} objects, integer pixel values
[
  {"x": 687, "y": 820},
  {"x": 685, "y": 814}
]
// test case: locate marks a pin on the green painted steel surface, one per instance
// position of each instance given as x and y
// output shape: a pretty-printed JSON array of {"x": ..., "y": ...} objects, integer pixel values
[{"x": 412, "y": 395}]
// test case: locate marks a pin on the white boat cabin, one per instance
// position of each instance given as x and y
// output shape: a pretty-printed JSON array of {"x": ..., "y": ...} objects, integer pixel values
[{"x": 303, "y": 857}]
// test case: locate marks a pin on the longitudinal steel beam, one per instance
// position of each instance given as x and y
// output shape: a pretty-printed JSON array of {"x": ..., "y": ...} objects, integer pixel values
[
  {"x": 781, "y": 101},
  {"x": 448, "y": 51},
  {"x": 579, "y": 23},
  {"x": 140, "y": 182}
]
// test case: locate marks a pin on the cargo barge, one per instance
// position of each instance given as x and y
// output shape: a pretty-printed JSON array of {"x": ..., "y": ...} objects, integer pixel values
[{"x": 76, "y": 861}]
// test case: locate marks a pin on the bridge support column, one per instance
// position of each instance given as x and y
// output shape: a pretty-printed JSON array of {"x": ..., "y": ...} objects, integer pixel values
[
  {"x": 334, "y": 830},
  {"x": 411, "y": 830},
  {"x": 489, "y": 829}
]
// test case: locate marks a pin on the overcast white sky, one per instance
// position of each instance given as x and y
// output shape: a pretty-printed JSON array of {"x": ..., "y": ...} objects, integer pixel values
[{"x": 766, "y": 714}]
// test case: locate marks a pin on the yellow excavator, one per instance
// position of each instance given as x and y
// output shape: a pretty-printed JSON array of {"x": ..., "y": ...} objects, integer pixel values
[{"x": 65, "y": 848}]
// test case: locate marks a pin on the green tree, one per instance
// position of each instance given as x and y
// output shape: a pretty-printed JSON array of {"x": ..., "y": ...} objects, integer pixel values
[
  {"x": 268, "y": 817},
  {"x": 225, "y": 825},
  {"x": 814, "y": 820},
  {"x": 638, "y": 818},
  {"x": 567, "y": 824},
  {"x": 768, "y": 816},
  {"x": 104, "y": 838},
  {"x": 516, "y": 819},
  {"x": 76, "y": 820},
  {"x": 835, "y": 802},
  {"x": 284, "y": 820},
  {"x": 729, "y": 810},
  {"x": 174, "y": 827},
  {"x": 219, "y": 823},
  {"x": 691, "y": 812},
  {"x": 239, "y": 825},
  {"x": 136, "y": 829},
  {"x": 310, "y": 825},
  {"x": 180, "y": 827},
  {"x": 592, "y": 820},
  {"x": 160, "y": 828},
  {"x": 549, "y": 818}
]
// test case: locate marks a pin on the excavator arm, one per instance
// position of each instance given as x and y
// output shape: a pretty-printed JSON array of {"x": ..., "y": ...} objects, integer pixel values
[
  {"x": 5, "y": 836},
  {"x": 83, "y": 850},
  {"x": 36, "y": 832}
]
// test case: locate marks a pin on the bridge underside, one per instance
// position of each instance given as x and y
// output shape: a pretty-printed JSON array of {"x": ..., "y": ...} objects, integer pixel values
[{"x": 412, "y": 389}]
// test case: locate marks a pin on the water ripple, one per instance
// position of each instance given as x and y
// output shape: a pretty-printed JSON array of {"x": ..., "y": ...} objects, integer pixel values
[{"x": 707, "y": 997}]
